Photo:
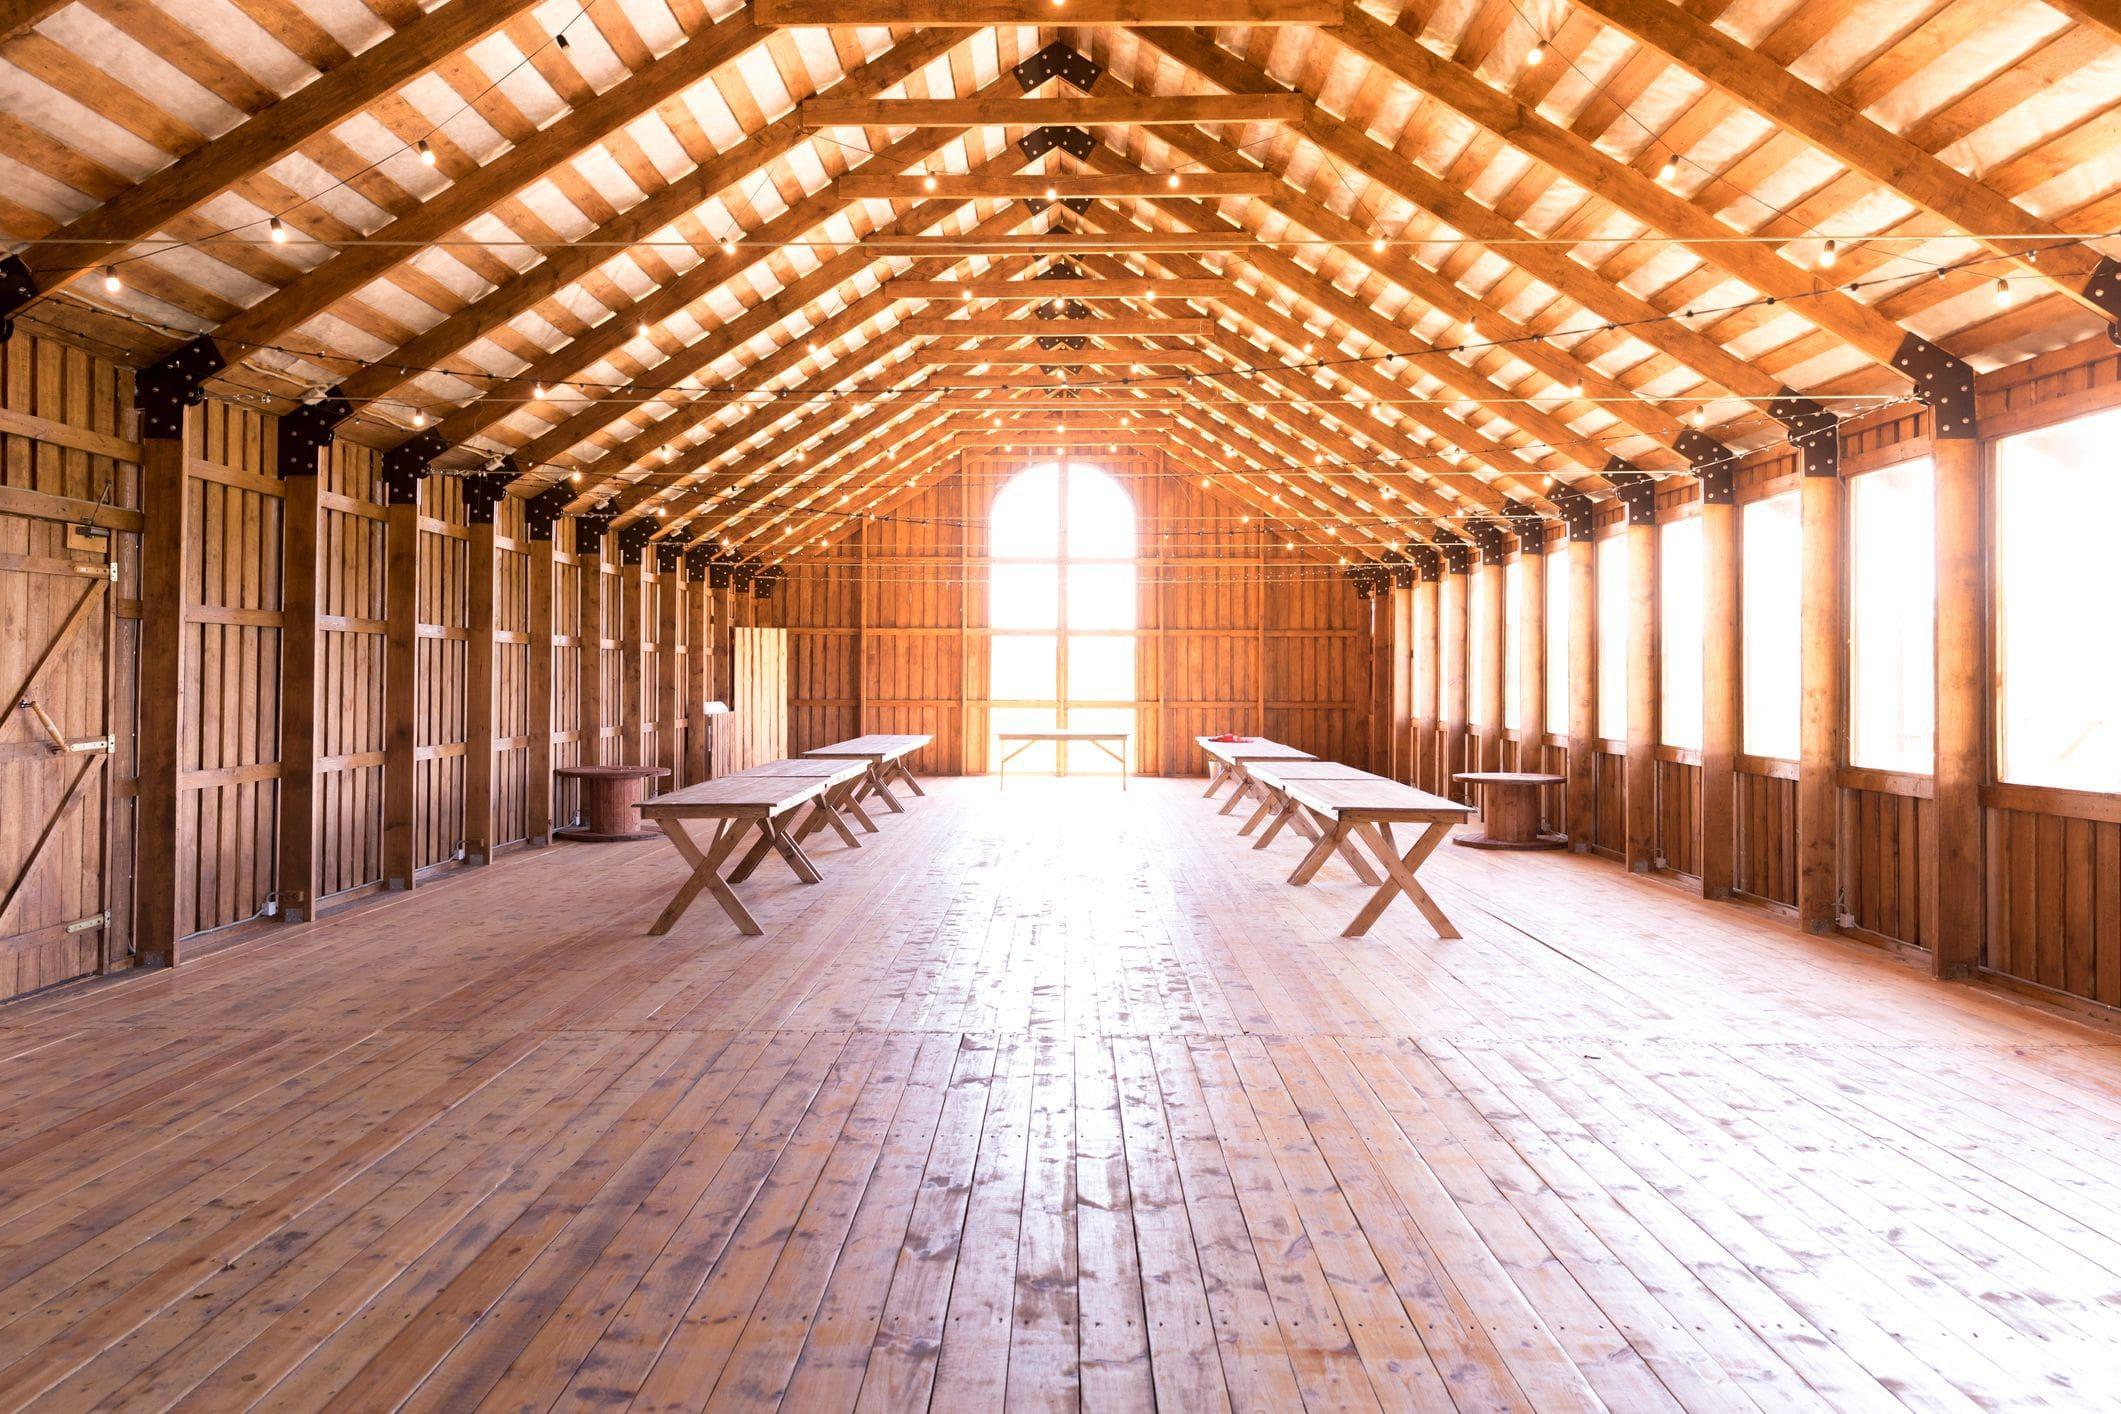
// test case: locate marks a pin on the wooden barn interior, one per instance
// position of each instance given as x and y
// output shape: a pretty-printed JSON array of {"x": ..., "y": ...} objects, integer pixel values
[{"x": 708, "y": 704}]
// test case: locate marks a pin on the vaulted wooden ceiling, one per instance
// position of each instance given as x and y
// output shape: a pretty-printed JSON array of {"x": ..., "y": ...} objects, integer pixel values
[{"x": 1392, "y": 270}]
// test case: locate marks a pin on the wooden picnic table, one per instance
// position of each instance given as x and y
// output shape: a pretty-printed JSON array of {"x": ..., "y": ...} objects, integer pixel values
[
  {"x": 761, "y": 799},
  {"x": 1365, "y": 810},
  {"x": 1227, "y": 761},
  {"x": 1277, "y": 810},
  {"x": 884, "y": 756},
  {"x": 1031, "y": 737},
  {"x": 1509, "y": 809}
]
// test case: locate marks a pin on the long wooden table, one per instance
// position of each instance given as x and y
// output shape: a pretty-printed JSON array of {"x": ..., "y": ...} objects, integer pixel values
[
  {"x": 1277, "y": 810},
  {"x": 764, "y": 799},
  {"x": 1227, "y": 762},
  {"x": 1365, "y": 810},
  {"x": 1031, "y": 737},
  {"x": 884, "y": 757}
]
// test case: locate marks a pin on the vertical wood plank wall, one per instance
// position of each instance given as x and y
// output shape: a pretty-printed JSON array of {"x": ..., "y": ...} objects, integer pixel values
[
  {"x": 886, "y": 634},
  {"x": 1233, "y": 632}
]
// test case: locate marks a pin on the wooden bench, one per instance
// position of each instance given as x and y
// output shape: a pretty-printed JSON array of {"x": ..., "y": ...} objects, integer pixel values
[
  {"x": 1365, "y": 810},
  {"x": 884, "y": 757},
  {"x": 764, "y": 799},
  {"x": 1027, "y": 739},
  {"x": 1227, "y": 762}
]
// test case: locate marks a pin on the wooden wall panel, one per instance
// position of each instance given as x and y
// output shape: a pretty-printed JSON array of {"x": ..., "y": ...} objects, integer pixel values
[
  {"x": 1887, "y": 843},
  {"x": 1767, "y": 833},
  {"x": 444, "y": 618},
  {"x": 350, "y": 672},
  {"x": 63, "y": 420},
  {"x": 511, "y": 668},
  {"x": 1234, "y": 633},
  {"x": 567, "y": 735},
  {"x": 229, "y": 782},
  {"x": 2055, "y": 902},
  {"x": 1678, "y": 822}
]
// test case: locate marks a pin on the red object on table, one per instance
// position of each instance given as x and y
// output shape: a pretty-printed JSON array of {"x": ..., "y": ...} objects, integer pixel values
[
  {"x": 1229, "y": 736},
  {"x": 611, "y": 803}
]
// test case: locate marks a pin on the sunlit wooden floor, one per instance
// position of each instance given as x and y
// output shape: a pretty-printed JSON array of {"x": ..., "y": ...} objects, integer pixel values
[{"x": 1046, "y": 1097}]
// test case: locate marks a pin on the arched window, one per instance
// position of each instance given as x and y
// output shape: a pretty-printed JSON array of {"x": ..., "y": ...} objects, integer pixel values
[{"x": 1061, "y": 609}]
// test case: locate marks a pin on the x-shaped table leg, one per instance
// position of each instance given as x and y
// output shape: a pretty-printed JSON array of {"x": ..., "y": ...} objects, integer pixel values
[
  {"x": 704, "y": 876},
  {"x": 1332, "y": 839},
  {"x": 1217, "y": 774},
  {"x": 823, "y": 812},
  {"x": 898, "y": 768},
  {"x": 1267, "y": 807},
  {"x": 873, "y": 784},
  {"x": 1244, "y": 788},
  {"x": 1400, "y": 871}
]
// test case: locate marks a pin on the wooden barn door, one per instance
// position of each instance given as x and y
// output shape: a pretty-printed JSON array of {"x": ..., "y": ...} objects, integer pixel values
[{"x": 55, "y": 745}]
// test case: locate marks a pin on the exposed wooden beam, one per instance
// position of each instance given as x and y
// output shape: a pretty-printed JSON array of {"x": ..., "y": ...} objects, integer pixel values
[
  {"x": 2105, "y": 14},
  {"x": 841, "y": 14},
  {"x": 1767, "y": 88},
  {"x": 563, "y": 267},
  {"x": 1085, "y": 289},
  {"x": 1065, "y": 242},
  {"x": 1063, "y": 358},
  {"x": 1639, "y": 194},
  {"x": 478, "y": 192},
  {"x": 1062, "y": 186},
  {"x": 1141, "y": 111},
  {"x": 18, "y": 16},
  {"x": 999, "y": 326},
  {"x": 203, "y": 173},
  {"x": 1451, "y": 204}
]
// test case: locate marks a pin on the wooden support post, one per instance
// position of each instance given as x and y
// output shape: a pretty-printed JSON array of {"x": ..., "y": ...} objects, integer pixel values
[
  {"x": 401, "y": 628},
  {"x": 478, "y": 696},
  {"x": 538, "y": 687},
  {"x": 1428, "y": 680},
  {"x": 302, "y": 473},
  {"x": 635, "y": 586},
  {"x": 1531, "y": 648},
  {"x": 698, "y": 687},
  {"x": 1494, "y": 626},
  {"x": 1720, "y": 685},
  {"x": 1644, "y": 690},
  {"x": 589, "y": 562},
  {"x": 1454, "y": 641},
  {"x": 163, "y": 831},
  {"x": 1583, "y": 689},
  {"x": 1402, "y": 649},
  {"x": 722, "y": 643},
  {"x": 1819, "y": 758},
  {"x": 670, "y": 720},
  {"x": 1378, "y": 610},
  {"x": 1959, "y": 872}
]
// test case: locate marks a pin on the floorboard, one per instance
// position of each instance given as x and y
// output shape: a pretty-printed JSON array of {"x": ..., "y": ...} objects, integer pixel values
[{"x": 1054, "y": 1099}]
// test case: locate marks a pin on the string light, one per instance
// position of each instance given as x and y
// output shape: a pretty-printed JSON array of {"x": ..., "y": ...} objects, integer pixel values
[
  {"x": 1669, "y": 172},
  {"x": 279, "y": 231},
  {"x": 427, "y": 154},
  {"x": 111, "y": 283},
  {"x": 2003, "y": 290},
  {"x": 1828, "y": 254},
  {"x": 1535, "y": 56}
]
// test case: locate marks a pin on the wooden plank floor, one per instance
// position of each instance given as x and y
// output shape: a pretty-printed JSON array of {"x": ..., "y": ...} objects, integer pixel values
[{"x": 1046, "y": 1099}]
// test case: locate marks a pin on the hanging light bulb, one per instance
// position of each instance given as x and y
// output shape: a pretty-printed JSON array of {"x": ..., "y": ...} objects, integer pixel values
[
  {"x": 1828, "y": 254},
  {"x": 1172, "y": 181},
  {"x": 279, "y": 232},
  {"x": 1534, "y": 56},
  {"x": 538, "y": 392},
  {"x": 1669, "y": 172},
  {"x": 427, "y": 154},
  {"x": 2003, "y": 290},
  {"x": 728, "y": 247},
  {"x": 111, "y": 283},
  {"x": 574, "y": 478},
  {"x": 928, "y": 183},
  {"x": 1378, "y": 245},
  {"x": 419, "y": 417}
]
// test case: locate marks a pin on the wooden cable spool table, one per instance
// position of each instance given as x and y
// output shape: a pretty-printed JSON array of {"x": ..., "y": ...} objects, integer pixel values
[
  {"x": 611, "y": 803},
  {"x": 1509, "y": 808}
]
